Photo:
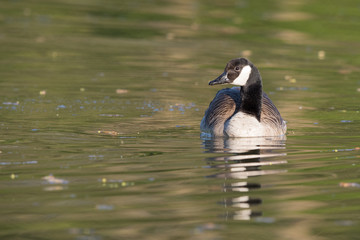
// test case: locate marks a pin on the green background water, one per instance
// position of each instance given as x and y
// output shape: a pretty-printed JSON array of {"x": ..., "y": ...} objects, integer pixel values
[{"x": 107, "y": 98}]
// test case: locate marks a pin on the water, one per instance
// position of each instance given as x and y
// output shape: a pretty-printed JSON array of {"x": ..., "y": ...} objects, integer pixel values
[{"x": 100, "y": 108}]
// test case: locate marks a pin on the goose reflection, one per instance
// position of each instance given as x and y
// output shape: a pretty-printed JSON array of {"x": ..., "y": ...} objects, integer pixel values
[{"x": 242, "y": 161}]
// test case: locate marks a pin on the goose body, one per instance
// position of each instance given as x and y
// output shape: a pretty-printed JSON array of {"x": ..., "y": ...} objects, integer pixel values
[{"x": 244, "y": 111}]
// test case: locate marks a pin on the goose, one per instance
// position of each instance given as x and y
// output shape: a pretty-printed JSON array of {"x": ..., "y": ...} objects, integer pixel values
[{"x": 244, "y": 111}]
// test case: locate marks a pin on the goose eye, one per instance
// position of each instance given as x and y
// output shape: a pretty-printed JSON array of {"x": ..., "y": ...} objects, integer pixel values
[{"x": 237, "y": 68}]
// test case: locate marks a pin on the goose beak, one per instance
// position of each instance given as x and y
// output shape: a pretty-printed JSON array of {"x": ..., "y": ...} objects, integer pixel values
[{"x": 222, "y": 79}]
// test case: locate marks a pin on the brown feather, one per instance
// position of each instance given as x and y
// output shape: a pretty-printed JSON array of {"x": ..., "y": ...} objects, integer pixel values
[
  {"x": 271, "y": 117},
  {"x": 222, "y": 107},
  {"x": 227, "y": 102}
]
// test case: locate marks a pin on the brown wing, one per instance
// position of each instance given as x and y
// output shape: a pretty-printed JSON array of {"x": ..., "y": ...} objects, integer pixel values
[
  {"x": 271, "y": 117},
  {"x": 222, "y": 107}
]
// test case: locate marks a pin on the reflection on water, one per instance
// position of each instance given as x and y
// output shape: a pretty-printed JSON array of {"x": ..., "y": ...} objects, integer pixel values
[
  {"x": 239, "y": 145},
  {"x": 247, "y": 158}
]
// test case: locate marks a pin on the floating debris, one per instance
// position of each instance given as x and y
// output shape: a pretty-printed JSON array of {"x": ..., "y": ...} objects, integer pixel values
[
  {"x": 50, "y": 179},
  {"x": 13, "y": 176},
  {"x": 82, "y": 89},
  {"x": 347, "y": 185},
  {"x": 121, "y": 91},
  {"x": 104, "y": 207},
  {"x": 321, "y": 55},
  {"x": 115, "y": 183},
  {"x": 346, "y": 150},
  {"x": 54, "y": 188},
  {"x": 11, "y": 103},
  {"x": 126, "y": 184},
  {"x": 290, "y": 79},
  {"x": 61, "y": 106},
  {"x": 111, "y": 115},
  {"x": 346, "y": 121},
  {"x": 246, "y": 53},
  {"x": 111, "y": 133},
  {"x": 105, "y": 180},
  {"x": 42, "y": 93},
  {"x": 181, "y": 107},
  {"x": 96, "y": 157},
  {"x": 18, "y": 163}
]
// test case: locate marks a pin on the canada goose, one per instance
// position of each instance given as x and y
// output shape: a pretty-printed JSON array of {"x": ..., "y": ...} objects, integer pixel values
[{"x": 244, "y": 111}]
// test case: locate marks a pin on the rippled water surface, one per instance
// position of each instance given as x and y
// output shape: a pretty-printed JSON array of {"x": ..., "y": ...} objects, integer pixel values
[{"x": 100, "y": 107}]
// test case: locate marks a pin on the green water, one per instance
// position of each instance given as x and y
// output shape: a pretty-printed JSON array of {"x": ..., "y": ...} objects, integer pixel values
[{"x": 100, "y": 107}]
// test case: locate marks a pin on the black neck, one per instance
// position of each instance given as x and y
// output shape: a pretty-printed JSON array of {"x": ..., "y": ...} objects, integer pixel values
[{"x": 251, "y": 95}]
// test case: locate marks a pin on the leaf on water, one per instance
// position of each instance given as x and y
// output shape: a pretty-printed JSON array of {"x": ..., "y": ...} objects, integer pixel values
[
  {"x": 246, "y": 53},
  {"x": 321, "y": 55},
  {"x": 347, "y": 185},
  {"x": 121, "y": 91},
  {"x": 50, "y": 179}
]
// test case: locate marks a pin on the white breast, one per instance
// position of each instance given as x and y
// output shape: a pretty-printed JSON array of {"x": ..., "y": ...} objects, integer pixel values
[{"x": 243, "y": 125}]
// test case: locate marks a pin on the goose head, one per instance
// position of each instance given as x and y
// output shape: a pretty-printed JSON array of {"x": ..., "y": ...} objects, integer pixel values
[{"x": 237, "y": 72}]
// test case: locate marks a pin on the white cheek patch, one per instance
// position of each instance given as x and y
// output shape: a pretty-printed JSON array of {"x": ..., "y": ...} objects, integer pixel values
[{"x": 243, "y": 77}]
